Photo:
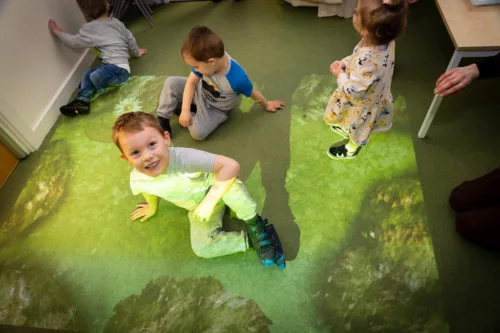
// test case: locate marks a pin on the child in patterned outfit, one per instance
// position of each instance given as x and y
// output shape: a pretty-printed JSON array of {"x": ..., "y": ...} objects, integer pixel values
[{"x": 362, "y": 103}]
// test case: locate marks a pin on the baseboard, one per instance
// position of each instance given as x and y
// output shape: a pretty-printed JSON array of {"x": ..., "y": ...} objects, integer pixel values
[{"x": 62, "y": 95}]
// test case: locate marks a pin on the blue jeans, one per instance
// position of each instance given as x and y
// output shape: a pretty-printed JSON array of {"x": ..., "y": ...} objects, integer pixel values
[{"x": 98, "y": 79}]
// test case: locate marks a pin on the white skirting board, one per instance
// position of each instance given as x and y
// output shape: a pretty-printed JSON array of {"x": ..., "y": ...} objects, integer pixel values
[{"x": 23, "y": 139}]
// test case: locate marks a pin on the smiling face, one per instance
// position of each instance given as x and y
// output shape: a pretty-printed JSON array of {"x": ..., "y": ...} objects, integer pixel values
[{"x": 146, "y": 150}]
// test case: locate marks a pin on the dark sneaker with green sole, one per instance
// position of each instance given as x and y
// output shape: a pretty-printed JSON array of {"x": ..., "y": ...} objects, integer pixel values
[
  {"x": 75, "y": 108},
  {"x": 338, "y": 151}
]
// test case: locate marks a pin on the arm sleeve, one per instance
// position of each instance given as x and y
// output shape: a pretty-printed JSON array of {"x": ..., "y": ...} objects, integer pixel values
[
  {"x": 245, "y": 86},
  {"x": 192, "y": 160},
  {"x": 346, "y": 60},
  {"x": 80, "y": 40},
  {"x": 132, "y": 44},
  {"x": 490, "y": 67},
  {"x": 360, "y": 78},
  {"x": 238, "y": 79}
]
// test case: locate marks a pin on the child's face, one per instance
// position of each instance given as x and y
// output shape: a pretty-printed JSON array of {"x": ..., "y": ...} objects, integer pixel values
[
  {"x": 146, "y": 150},
  {"x": 207, "y": 68}
]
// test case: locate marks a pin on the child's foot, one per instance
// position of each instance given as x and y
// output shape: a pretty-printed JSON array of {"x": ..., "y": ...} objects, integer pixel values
[
  {"x": 165, "y": 125},
  {"x": 261, "y": 241},
  {"x": 340, "y": 151},
  {"x": 74, "y": 108},
  {"x": 340, "y": 131}
]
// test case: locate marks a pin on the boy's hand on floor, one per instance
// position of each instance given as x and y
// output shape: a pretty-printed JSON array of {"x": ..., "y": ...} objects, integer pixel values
[
  {"x": 273, "y": 106},
  {"x": 54, "y": 27},
  {"x": 185, "y": 119},
  {"x": 143, "y": 52},
  {"x": 143, "y": 211}
]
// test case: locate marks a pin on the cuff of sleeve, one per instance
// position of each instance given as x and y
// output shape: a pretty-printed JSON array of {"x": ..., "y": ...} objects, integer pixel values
[{"x": 342, "y": 79}]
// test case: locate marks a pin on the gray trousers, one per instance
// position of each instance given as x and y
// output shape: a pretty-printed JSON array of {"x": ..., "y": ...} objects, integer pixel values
[{"x": 205, "y": 120}]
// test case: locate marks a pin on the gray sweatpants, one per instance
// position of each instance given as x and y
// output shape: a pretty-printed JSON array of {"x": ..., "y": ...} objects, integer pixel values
[{"x": 205, "y": 120}]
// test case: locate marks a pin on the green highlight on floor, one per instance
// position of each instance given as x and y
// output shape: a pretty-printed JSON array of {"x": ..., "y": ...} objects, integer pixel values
[{"x": 72, "y": 259}]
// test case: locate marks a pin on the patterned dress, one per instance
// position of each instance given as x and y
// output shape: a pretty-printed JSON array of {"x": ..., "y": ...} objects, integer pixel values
[{"x": 362, "y": 102}]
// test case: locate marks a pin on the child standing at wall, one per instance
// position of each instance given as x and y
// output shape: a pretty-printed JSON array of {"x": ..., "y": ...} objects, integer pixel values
[
  {"x": 362, "y": 102},
  {"x": 112, "y": 41}
]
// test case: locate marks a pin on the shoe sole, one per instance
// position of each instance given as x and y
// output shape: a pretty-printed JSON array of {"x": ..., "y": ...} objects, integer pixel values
[
  {"x": 73, "y": 112},
  {"x": 340, "y": 158}
]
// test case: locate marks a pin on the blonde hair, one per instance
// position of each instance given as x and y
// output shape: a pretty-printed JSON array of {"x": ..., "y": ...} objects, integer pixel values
[{"x": 133, "y": 122}]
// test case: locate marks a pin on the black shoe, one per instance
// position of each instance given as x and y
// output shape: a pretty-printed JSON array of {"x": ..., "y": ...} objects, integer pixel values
[
  {"x": 338, "y": 151},
  {"x": 165, "y": 125},
  {"x": 262, "y": 241},
  {"x": 74, "y": 108}
]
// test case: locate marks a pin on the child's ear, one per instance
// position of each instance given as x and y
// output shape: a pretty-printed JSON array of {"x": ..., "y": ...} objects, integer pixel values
[
  {"x": 167, "y": 139},
  {"x": 212, "y": 61}
]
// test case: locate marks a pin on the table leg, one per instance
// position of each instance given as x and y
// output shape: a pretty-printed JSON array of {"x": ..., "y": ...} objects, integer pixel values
[{"x": 454, "y": 62}]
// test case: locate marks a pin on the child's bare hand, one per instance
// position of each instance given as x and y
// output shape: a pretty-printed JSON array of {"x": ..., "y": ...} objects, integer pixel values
[
  {"x": 185, "y": 119},
  {"x": 273, "y": 106},
  {"x": 337, "y": 68},
  {"x": 54, "y": 27},
  {"x": 143, "y": 211},
  {"x": 143, "y": 52}
]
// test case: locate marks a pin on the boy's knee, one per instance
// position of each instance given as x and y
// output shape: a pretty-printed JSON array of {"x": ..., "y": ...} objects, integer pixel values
[
  {"x": 94, "y": 78},
  {"x": 458, "y": 198},
  {"x": 174, "y": 83},
  {"x": 197, "y": 133},
  {"x": 170, "y": 81}
]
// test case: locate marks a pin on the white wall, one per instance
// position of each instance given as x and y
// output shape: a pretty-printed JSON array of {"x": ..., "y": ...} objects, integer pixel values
[{"x": 38, "y": 73}]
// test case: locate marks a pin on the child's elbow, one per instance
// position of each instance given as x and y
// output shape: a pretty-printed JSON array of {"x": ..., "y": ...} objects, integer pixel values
[{"x": 235, "y": 166}]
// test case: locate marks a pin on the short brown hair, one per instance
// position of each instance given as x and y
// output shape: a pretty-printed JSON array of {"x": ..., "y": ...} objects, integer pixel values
[
  {"x": 93, "y": 8},
  {"x": 201, "y": 43},
  {"x": 133, "y": 122},
  {"x": 383, "y": 20}
]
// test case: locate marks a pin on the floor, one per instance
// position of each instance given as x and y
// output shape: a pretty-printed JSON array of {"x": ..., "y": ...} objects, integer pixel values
[{"x": 370, "y": 243}]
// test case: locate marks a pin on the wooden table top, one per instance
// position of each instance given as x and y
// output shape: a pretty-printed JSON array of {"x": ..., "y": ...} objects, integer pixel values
[{"x": 471, "y": 28}]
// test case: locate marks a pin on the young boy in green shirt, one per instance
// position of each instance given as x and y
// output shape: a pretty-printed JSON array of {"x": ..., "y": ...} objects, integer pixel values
[{"x": 198, "y": 181}]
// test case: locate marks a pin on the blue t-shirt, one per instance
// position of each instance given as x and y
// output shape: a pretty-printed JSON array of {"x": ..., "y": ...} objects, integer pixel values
[{"x": 221, "y": 90}]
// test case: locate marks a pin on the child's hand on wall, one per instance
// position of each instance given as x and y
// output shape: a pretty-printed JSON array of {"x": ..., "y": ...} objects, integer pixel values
[
  {"x": 143, "y": 52},
  {"x": 273, "y": 106},
  {"x": 143, "y": 211},
  {"x": 54, "y": 27},
  {"x": 337, "y": 68}
]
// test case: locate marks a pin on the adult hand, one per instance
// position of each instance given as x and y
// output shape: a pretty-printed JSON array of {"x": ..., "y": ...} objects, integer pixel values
[
  {"x": 456, "y": 79},
  {"x": 142, "y": 52}
]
